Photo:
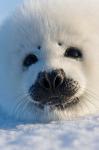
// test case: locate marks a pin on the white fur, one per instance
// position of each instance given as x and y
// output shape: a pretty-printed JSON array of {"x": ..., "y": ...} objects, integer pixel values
[{"x": 45, "y": 23}]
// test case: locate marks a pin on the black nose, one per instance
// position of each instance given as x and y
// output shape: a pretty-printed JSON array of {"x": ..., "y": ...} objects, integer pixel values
[
  {"x": 51, "y": 80},
  {"x": 54, "y": 88}
]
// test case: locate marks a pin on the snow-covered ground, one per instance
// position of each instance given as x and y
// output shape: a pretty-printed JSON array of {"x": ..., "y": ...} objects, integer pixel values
[{"x": 82, "y": 134}]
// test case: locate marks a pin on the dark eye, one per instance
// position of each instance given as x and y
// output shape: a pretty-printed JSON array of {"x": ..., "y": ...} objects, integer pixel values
[
  {"x": 73, "y": 52},
  {"x": 29, "y": 60}
]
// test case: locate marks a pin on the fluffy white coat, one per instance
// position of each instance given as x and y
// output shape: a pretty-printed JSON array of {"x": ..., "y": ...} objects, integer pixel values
[{"x": 46, "y": 23}]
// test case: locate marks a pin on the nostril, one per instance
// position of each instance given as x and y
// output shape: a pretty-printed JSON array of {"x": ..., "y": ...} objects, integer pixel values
[
  {"x": 58, "y": 81},
  {"x": 46, "y": 83},
  {"x": 51, "y": 80},
  {"x": 44, "y": 80}
]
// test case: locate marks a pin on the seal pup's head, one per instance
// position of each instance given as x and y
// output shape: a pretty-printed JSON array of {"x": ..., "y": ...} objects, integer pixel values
[{"x": 49, "y": 61}]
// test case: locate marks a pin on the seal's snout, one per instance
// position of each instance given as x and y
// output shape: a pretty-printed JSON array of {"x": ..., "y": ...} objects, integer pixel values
[
  {"x": 51, "y": 80},
  {"x": 54, "y": 88}
]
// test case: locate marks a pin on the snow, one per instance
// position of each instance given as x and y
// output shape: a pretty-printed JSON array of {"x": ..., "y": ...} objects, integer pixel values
[{"x": 80, "y": 134}]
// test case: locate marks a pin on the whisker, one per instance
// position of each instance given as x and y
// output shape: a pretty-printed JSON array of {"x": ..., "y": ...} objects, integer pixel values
[
  {"x": 22, "y": 100},
  {"x": 90, "y": 101},
  {"x": 92, "y": 93}
]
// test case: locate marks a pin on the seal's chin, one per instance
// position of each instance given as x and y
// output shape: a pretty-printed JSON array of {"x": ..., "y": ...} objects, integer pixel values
[{"x": 57, "y": 102}]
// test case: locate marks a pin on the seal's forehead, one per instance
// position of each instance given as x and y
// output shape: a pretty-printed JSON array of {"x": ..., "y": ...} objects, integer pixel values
[
  {"x": 39, "y": 21},
  {"x": 48, "y": 18},
  {"x": 52, "y": 14}
]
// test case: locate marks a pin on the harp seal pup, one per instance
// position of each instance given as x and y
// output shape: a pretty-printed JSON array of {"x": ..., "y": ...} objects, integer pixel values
[{"x": 49, "y": 60}]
